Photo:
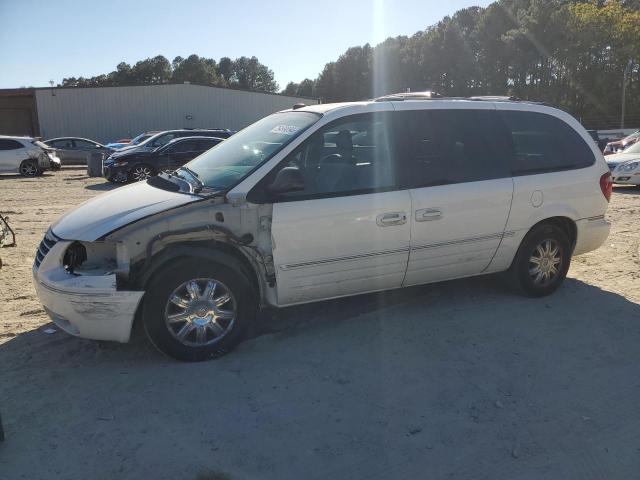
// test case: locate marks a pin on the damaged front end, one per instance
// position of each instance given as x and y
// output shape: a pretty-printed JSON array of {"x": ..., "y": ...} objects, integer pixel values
[
  {"x": 210, "y": 229},
  {"x": 76, "y": 283}
]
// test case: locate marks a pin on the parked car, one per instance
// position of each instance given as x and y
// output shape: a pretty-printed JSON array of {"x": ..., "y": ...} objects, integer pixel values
[
  {"x": 135, "y": 141},
  {"x": 26, "y": 155},
  {"x": 625, "y": 166},
  {"x": 141, "y": 165},
  {"x": 74, "y": 150},
  {"x": 160, "y": 138},
  {"x": 620, "y": 145},
  {"x": 117, "y": 144},
  {"x": 293, "y": 210}
]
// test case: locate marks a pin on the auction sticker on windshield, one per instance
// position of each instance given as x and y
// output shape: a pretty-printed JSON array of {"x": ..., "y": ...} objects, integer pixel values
[{"x": 285, "y": 129}]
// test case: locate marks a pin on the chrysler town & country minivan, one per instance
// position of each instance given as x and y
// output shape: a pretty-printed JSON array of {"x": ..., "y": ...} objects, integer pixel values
[{"x": 326, "y": 201}]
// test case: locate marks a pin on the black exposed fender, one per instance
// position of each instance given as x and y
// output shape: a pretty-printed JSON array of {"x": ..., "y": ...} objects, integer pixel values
[{"x": 196, "y": 249}]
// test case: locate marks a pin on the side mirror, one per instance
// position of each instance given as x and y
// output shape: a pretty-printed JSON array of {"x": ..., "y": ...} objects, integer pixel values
[{"x": 289, "y": 179}]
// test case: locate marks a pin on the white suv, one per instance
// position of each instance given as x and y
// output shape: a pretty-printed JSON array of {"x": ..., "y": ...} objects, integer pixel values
[
  {"x": 327, "y": 201},
  {"x": 26, "y": 156}
]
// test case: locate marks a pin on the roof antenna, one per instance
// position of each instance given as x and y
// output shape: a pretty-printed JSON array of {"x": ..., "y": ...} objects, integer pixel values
[{"x": 299, "y": 105}]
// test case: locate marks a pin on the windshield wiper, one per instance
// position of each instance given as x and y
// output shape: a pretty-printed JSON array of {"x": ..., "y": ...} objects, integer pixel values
[{"x": 199, "y": 185}]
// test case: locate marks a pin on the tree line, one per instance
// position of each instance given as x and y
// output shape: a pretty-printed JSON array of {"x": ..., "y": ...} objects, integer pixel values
[
  {"x": 569, "y": 54},
  {"x": 243, "y": 72}
]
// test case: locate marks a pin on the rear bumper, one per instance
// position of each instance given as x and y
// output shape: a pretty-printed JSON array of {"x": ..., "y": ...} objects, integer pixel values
[
  {"x": 84, "y": 306},
  {"x": 592, "y": 233}
]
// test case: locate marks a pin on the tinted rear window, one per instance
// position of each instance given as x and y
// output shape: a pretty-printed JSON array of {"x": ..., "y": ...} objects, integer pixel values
[
  {"x": 439, "y": 147},
  {"x": 8, "y": 144},
  {"x": 543, "y": 143}
]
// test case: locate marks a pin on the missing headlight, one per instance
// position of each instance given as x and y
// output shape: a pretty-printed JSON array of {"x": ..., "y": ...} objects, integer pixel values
[{"x": 75, "y": 256}]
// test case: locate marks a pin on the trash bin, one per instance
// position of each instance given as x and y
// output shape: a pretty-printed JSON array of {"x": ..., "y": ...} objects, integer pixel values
[{"x": 94, "y": 164}]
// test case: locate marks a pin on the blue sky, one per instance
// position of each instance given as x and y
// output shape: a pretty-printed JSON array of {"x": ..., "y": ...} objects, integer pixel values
[{"x": 48, "y": 40}]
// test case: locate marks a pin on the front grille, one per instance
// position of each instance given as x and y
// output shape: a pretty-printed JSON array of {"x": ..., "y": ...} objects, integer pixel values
[{"x": 46, "y": 244}]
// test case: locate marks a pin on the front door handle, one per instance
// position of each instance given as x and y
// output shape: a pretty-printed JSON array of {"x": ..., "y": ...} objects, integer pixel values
[
  {"x": 390, "y": 219},
  {"x": 428, "y": 214}
]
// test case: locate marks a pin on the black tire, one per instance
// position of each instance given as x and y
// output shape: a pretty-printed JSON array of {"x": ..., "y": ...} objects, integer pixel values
[
  {"x": 120, "y": 178},
  {"x": 522, "y": 274},
  {"x": 156, "y": 306},
  {"x": 29, "y": 168},
  {"x": 135, "y": 172}
]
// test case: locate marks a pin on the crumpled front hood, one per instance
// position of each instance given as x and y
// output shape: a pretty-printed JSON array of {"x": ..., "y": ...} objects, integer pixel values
[{"x": 107, "y": 212}]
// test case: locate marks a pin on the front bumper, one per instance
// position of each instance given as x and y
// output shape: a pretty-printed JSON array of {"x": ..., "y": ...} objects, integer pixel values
[
  {"x": 87, "y": 306},
  {"x": 621, "y": 178},
  {"x": 115, "y": 174}
]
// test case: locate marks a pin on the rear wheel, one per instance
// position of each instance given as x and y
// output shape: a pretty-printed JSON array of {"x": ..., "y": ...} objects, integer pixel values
[
  {"x": 141, "y": 172},
  {"x": 542, "y": 261},
  {"x": 29, "y": 168},
  {"x": 195, "y": 310}
]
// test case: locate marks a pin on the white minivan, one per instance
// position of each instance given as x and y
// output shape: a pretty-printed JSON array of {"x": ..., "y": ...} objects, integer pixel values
[{"x": 326, "y": 201}]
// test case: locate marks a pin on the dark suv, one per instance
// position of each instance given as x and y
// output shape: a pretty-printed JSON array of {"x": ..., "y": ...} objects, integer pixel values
[
  {"x": 161, "y": 138},
  {"x": 140, "y": 165}
]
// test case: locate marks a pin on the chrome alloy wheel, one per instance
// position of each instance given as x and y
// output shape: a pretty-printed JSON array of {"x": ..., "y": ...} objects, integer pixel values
[
  {"x": 140, "y": 173},
  {"x": 28, "y": 169},
  {"x": 545, "y": 262},
  {"x": 200, "y": 312}
]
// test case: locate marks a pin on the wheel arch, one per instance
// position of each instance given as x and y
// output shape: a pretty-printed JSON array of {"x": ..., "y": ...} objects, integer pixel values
[
  {"x": 566, "y": 224},
  {"x": 215, "y": 251}
]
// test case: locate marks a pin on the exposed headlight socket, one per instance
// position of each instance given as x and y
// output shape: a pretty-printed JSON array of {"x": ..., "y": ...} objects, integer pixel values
[{"x": 75, "y": 256}]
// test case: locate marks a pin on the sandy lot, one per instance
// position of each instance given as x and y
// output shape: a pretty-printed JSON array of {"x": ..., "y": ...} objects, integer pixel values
[{"x": 460, "y": 380}]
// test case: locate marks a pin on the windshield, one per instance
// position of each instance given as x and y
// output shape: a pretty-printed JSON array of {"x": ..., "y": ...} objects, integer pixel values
[
  {"x": 139, "y": 139},
  {"x": 161, "y": 139},
  {"x": 635, "y": 148},
  {"x": 633, "y": 135},
  {"x": 230, "y": 161}
]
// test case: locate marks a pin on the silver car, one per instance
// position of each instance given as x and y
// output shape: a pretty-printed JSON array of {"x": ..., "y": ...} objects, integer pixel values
[{"x": 75, "y": 151}]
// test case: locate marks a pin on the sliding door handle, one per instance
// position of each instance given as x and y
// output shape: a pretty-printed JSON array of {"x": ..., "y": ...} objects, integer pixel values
[
  {"x": 390, "y": 219},
  {"x": 428, "y": 214}
]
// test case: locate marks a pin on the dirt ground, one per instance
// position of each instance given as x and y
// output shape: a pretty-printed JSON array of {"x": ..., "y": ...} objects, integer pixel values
[{"x": 460, "y": 380}]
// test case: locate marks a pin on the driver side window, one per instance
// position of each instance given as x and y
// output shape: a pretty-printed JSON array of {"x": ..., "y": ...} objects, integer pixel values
[{"x": 350, "y": 156}]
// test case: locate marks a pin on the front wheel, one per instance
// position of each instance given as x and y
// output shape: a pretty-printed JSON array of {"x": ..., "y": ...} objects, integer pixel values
[
  {"x": 141, "y": 172},
  {"x": 29, "y": 168},
  {"x": 542, "y": 261},
  {"x": 195, "y": 310}
]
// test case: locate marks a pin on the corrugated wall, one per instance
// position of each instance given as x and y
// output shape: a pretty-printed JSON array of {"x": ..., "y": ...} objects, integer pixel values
[{"x": 109, "y": 113}]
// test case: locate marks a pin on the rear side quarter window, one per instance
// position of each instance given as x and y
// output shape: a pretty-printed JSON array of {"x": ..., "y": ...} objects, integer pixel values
[
  {"x": 544, "y": 143},
  {"x": 8, "y": 144}
]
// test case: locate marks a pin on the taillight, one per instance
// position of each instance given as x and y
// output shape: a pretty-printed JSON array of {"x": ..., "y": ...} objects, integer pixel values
[{"x": 606, "y": 185}]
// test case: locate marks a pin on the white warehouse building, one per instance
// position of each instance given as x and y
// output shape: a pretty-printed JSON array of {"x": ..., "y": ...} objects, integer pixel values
[{"x": 106, "y": 114}]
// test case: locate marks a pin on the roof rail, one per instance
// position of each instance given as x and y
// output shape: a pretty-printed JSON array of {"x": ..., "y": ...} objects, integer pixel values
[
  {"x": 398, "y": 97},
  {"x": 429, "y": 95},
  {"x": 496, "y": 98}
]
